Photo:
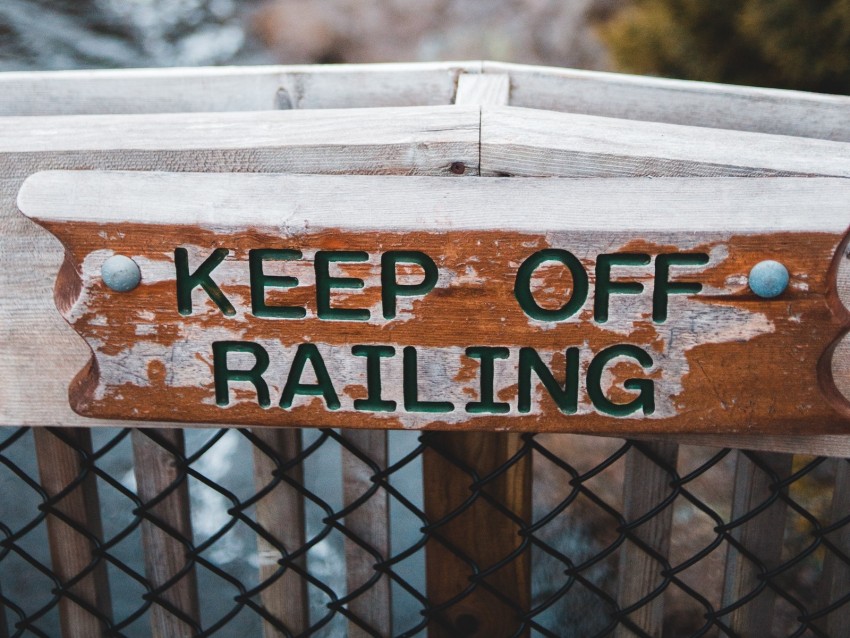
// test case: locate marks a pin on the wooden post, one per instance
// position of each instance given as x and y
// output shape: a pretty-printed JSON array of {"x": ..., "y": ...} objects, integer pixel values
[
  {"x": 72, "y": 552},
  {"x": 762, "y": 536},
  {"x": 479, "y": 537},
  {"x": 646, "y": 484},
  {"x": 281, "y": 514},
  {"x": 4, "y": 628},
  {"x": 165, "y": 548},
  {"x": 370, "y": 522},
  {"x": 836, "y": 572}
]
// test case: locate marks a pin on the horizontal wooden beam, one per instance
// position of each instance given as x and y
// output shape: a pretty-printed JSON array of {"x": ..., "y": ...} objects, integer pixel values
[
  {"x": 158, "y": 355},
  {"x": 651, "y": 99},
  {"x": 220, "y": 89}
]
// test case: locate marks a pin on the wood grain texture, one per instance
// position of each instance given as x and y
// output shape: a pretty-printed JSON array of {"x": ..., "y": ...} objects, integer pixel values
[
  {"x": 165, "y": 90},
  {"x": 649, "y": 99},
  {"x": 72, "y": 552},
  {"x": 646, "y": 485},
  {"x": 369, "y": 522},
  {"x": 469, "y": 541},
  {"x": 761, "y": 537},
  {"x": 483, "y": 89},
  {"x": 166, "y": 542},
  {"x": 532, "y": 143},
  {"x": 281, "y": 514},
  {"x": 34, "y": 336},
  {"x": 223, "y": 89},
  {"x": 836, "y": 572},
  {"x": 158, "y": 366}
]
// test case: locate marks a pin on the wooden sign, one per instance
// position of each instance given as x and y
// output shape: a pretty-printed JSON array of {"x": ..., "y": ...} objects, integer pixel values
[{"x": 619, "y": 305}]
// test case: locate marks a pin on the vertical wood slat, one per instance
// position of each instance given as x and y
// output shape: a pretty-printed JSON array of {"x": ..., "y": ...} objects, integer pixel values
[
  {"x": 165, "y": 555},
  {"x": 59, "y": 465},
  {"x": 835, "y": 579},
  {"x": 646, "y": 484},
  {"x": 281, "y": 513},
  {"x": 762, "y": 536},
  {"x": 482, "y": 533},
  {"x": 4, "y": 628},
  {"x": 371, "y": 523}
]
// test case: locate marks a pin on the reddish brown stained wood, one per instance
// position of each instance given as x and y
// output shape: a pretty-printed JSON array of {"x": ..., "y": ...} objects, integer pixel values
[
  {"x": 166, "y": 543},
  {"x": 480, "y": 537},
  {"x": 59, "y": 466},
  {"x": 155, "y": 364},
  {"x": 281, "y": 514},
  {"x": 776, "y": 394},
  {"x": 762, "y": 536},
  {"x": 836, "y": 573},
  {"x": 369, "y": 522},
  {"x": 645, "y": 486}
]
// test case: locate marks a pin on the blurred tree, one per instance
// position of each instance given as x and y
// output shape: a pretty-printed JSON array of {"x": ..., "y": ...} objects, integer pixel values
[{"x": 780, "y": 43}]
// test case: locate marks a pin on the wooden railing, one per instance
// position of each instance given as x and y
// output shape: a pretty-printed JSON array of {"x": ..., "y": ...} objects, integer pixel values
[{"x": 485, "y": 119}]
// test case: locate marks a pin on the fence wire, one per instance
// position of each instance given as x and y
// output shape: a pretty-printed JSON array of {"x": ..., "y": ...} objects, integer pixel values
[{"x": 577, "y": 539}]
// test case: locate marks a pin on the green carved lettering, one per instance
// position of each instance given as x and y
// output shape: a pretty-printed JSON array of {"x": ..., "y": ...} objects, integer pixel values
[
  {"x": 645, "y": 387},
  {"x": 187, "y": 282},
  {"x": 323, "y": 386},
  {"x": 260, "y": 281},
  {"x": 223, "y": 375}
]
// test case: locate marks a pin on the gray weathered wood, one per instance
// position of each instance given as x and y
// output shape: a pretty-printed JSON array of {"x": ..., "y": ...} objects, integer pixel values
[
  {"x": 71, "y": 551},
  {"x": 836, "y": 573},
  {"x": 219, "y": 89},
  {"x": 532, "y": 143},
  {"x": 369, "y": 522},
  {"x": 740, "y": 108},
  {"x": 166, "y": 543},
  {"x": 762, "y": 536},
  {"x": 35, "y": 338},
  {"x": 645, "y": 485},
  {"x": 281, "y": 514},
  {"x": 483, "y": 89}
]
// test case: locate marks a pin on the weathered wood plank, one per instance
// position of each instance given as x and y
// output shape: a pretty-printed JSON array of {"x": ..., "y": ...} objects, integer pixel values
[
  {"x": 646, "y": 485},
  {"x": 687, "y": 384},
  {"x": 478, "y": 539},
  {"x": 175, "y": 611},
  {"x": 532, "y": 143},
  {"x": 72, "y": 551},
  {"x": 35, "y": 337},
  {"x": 221, "y": 89},
  {"x": 836, "y": 571},
  {"x": 649, "y": 99},
  {"x": 281, "y": 514},
  {"x": 483, "y": 89},
  {"x": 369, "y": 522},
  {"x": 761, "y": 536}
]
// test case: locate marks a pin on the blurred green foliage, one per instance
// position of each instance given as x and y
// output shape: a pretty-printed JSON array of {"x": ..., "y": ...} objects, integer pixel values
[{"x": 794, "y": 44}]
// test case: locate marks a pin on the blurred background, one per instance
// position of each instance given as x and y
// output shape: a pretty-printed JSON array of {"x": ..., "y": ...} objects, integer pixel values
[{"x": 779, "y": 43}]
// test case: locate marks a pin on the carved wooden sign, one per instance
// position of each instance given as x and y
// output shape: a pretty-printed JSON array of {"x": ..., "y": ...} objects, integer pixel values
[{"x": 619, "y": 305}]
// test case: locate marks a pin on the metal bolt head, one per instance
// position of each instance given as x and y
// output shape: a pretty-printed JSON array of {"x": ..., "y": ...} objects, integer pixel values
[
  {"x": 120, "y": 273},
  {"x": 768, "y": 279}
]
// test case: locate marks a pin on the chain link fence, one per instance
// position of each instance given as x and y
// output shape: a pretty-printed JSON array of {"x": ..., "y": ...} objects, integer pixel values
[{"x": 573, "y": 538}]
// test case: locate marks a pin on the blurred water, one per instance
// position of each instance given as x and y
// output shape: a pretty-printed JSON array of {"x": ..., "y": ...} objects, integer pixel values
[{"x": 70, "y": 34}]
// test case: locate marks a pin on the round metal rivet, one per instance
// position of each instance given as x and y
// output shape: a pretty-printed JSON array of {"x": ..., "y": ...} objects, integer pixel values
[
  {"x": 768, "y": 279},
  {"x": 120, "y": 273}
]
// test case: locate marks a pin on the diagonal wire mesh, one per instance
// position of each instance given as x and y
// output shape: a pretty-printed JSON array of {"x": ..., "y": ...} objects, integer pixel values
[{"x": 700, "y": 541}]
